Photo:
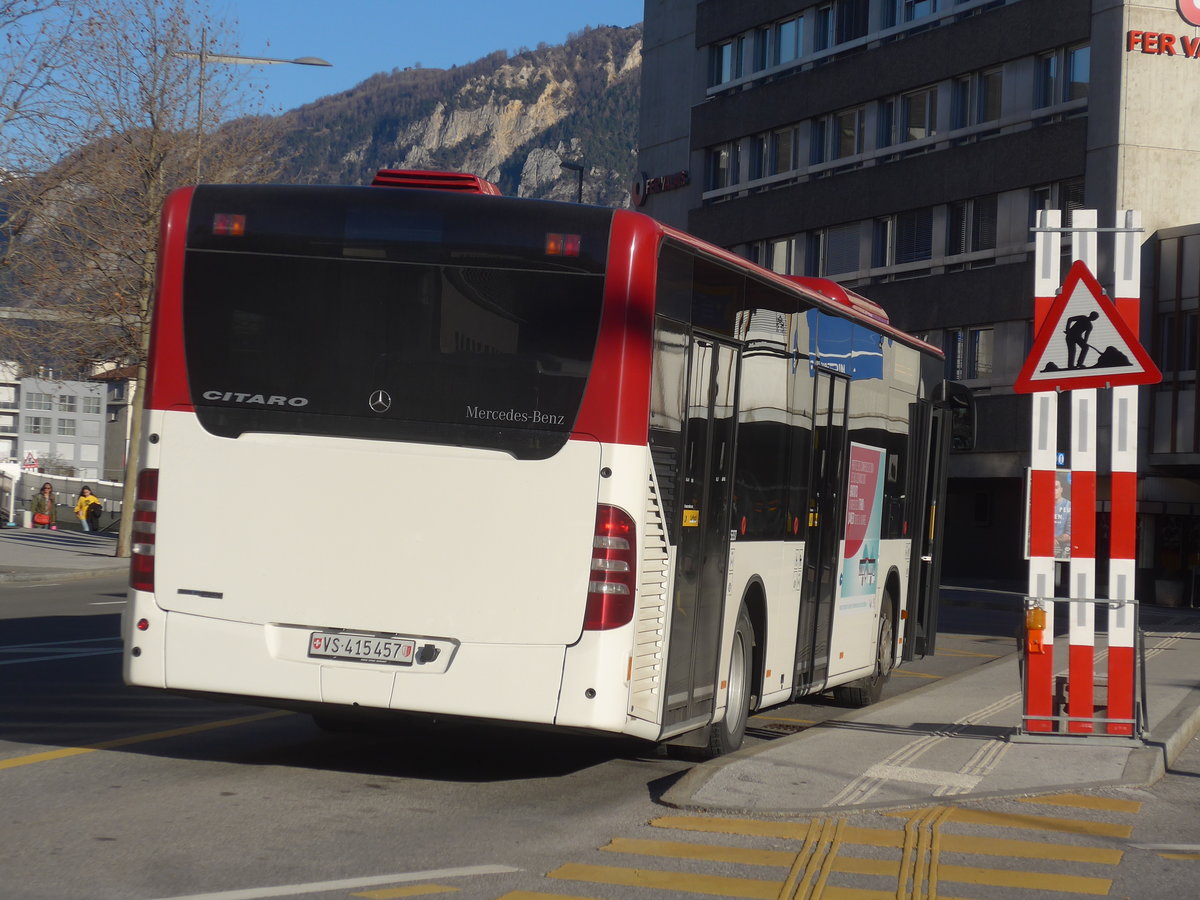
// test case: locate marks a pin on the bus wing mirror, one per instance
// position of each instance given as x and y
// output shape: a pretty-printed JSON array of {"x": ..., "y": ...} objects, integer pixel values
[{"x": 961, "y": 402}]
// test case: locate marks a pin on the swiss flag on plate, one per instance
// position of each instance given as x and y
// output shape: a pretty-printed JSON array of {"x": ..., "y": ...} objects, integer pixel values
[{"x": 1190, "y": 10}]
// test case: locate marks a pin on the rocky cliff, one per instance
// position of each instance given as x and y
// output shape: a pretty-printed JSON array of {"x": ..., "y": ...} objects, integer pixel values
[{"x": 510, "y": 119}]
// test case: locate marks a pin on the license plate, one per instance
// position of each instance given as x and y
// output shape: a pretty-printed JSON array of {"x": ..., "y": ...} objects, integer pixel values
[{"x": 361, "y": 648}]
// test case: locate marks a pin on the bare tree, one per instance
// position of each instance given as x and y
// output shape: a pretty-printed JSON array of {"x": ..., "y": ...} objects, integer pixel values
[{"x": 146, "y": 117}]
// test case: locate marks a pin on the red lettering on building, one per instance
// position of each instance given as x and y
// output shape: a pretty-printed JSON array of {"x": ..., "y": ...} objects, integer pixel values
[{"x": 1154, "y": 43}]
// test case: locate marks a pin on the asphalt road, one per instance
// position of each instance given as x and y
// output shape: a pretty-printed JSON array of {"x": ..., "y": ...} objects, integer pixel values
[{"x": 112, "y": 792}]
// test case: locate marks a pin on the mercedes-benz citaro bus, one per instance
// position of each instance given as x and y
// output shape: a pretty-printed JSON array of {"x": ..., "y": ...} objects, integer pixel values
[{"x": 418, "y": 447}]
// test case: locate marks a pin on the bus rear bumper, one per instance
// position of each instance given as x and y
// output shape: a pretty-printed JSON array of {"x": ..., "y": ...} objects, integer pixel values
[{"x": 506, "y": 682}]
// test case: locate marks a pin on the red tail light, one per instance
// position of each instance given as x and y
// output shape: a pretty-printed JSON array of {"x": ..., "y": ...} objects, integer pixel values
[
  {"x": 145, "y": 518},
  {"x": 614, "y": 567}
]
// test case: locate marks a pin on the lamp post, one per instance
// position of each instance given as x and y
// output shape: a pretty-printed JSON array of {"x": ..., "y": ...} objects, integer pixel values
[
  {"x": 577, "y": 168},
  {"x": 206, "y": 57}
]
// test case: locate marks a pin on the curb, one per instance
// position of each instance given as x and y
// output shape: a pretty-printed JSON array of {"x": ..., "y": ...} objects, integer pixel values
[
  {"x": 1144, "y": 766},
  {"x": 1150, "y": 763}
]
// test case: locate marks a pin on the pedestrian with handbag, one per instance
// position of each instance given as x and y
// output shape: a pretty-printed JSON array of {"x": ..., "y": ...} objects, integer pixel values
[
  {"x": 43, "y": 507},
  {"x": 87, "y": 509}
]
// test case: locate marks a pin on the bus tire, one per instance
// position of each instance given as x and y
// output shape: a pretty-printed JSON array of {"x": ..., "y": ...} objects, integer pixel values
[
  {"x": 868, "y": 690},
  {"x": 727, "y": 735}
]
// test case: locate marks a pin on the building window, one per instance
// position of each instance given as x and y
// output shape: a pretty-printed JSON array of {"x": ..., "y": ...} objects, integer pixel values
[
  {"x": 841, "y": 250},
  {"x": 726, "y": 62},
  {"x": 838, "y": 135},
  {"x": 91, "y": 406},
  {"x": 919, "y": 112},
  {"x": 38, "y": 424},
  {"x": 66, "y": 427},
  {"x": 912, "y": 237},
  {"x": 847, "y": 137},
  {"x": 723, "y": 166},
  {"x": 1079, "y": 61},
  {"x": 781, "y": 253},
  {"x": 1065, "y": 196},
  {"x": 971, "y": 226},
  {"x": 838, "y": 22},
  {"x": 774, "y": 153},
  {"x": 39, "y": 401},
  {"x": 787, "y": 41},
  {"x": 1045, "y": 83},
  {"x": 976, "y": 99},
  {"x": 896, "y": 12},
  {"x": 969, "y": 353},
  {"x": 66, "y": 402}
]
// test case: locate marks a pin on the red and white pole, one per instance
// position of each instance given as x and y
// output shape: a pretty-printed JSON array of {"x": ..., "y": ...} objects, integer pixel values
[
  {"x": 1082, "y": 579},
  {"x": 1039, "y": 658},
  {"x": 1122, "y": 616}
]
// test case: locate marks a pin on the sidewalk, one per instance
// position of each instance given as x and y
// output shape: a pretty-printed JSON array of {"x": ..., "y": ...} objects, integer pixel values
[
  {"x": 954, "y": 740},
  {"x": 38, "y": 555}
]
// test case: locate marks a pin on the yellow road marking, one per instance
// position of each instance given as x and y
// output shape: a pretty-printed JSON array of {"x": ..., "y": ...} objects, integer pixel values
[
  {"x": 67, "y": 752},
  {"x": 1039, "y": 881},
  {"x": 795, "y": 831},
  {"x": 905, "y": 673},
  {"x": 706, "y": 852},
  {"x": 958, "y": 843},
  {"x": 1180, "y": 855},
  {"x": 412, "y": 890},
  {"x": 685, "y": 882},
  {"x": 950, "y": 651},
  {"x": 1035, "y": 823},
  {"x": 1084, "y": 801}
]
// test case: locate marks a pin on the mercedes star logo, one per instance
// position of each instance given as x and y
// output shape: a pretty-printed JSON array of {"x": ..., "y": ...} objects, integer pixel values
[{"x": 381, "y": 401}]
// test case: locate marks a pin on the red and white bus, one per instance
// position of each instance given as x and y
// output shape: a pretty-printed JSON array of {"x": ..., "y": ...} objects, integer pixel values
[{"x": 438, "y": 451}]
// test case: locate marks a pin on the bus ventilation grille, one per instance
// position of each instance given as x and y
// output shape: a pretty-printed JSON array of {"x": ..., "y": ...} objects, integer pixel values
[
  {"x": 651, "y": 621},
  {"x": 458, "y": 182}
]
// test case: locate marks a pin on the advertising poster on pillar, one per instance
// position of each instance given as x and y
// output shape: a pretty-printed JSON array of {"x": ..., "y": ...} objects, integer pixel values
[
  {"x": 864, "y": 518},
  {"x": 1062, "y": 513}
]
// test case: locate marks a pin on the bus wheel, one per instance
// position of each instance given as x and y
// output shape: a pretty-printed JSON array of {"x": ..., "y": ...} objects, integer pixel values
[
  {"x": 867, "y": 690},
  {"x": 726, "y": 736}
]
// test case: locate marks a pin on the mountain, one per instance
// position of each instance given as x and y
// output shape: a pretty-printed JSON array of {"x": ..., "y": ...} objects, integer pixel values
[{"x": 510, "y": 119}]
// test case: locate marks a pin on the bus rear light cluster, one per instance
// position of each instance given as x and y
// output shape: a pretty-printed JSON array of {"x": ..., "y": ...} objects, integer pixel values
[
  {"x": 145, "y": 519},
  {"x": 611, "y": 585}
]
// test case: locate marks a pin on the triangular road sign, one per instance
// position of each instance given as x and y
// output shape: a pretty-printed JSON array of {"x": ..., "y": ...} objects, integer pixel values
[{"x": 1084, "y": 343}]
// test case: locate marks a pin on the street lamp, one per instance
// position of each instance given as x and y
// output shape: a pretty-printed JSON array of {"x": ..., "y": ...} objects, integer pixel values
[
  {"x": 577, "y": 168},
  {"x": 206, "y": 57}
]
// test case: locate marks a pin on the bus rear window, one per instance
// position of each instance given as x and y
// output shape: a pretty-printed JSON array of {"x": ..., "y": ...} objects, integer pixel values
[{"x": 408, "y": 351}]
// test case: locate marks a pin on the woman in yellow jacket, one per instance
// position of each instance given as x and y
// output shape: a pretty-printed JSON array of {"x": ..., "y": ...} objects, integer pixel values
[{"x": 84, "y": 505}]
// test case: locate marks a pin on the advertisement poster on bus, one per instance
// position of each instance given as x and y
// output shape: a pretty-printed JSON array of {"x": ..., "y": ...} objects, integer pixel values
[{"x": 864, "y": 519}]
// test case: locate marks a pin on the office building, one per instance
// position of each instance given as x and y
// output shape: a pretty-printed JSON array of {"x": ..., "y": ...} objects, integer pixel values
[{"x": 903, "y": 148}]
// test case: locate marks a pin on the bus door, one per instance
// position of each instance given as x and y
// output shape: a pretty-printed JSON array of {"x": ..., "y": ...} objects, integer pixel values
[
  {"x": 926, "y": 519},
  {"x": 822, "y": 562},
  {"x": 703, "y": 548}
]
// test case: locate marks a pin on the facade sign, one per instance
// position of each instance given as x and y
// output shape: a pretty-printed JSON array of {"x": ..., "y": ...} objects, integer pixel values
[
  {"x": 645, "y": 186},
  {"x": 1084, "y": 343},
  {"x": 1156, "y": 43}
]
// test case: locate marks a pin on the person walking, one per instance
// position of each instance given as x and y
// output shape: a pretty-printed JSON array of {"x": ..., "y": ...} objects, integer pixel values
[
  {"x": 43, "y": 507},
  {"x": 87, "y": 509}
]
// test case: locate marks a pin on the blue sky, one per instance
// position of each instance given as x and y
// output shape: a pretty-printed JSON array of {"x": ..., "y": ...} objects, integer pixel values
[{"x": 363, "y": 37}]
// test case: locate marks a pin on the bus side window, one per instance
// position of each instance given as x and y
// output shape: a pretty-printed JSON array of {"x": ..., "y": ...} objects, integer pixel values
[{"x": 667, "y": 391}]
